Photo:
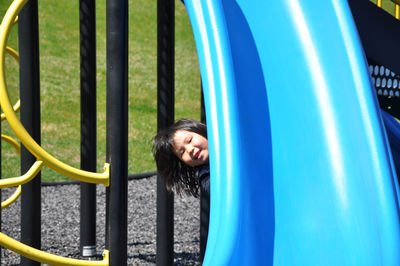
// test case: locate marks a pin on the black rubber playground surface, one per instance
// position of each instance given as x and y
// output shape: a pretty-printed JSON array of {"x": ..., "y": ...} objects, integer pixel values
[{"x": 60, "y": 223}]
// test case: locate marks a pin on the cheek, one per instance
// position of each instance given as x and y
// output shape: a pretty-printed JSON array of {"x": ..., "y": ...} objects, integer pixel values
[
  {"x": 187, "y": 160},
  {"x": 206, "y": 149}
]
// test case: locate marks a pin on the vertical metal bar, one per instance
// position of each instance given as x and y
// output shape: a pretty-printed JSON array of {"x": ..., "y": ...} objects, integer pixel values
[
  {"x": 1, "y": 175},
  {"x": 202, "y": 107},
  {"x": 397, "y": 11},
  {"x": 204, "y": 199},
  {"x": 87, "y": 17},
  {"x": 379, "y": 3},
  {"x": 28, "y": 36},
  {"x": 165, "y": 118},
  {"x": 117, "y": 129},
  {"x": 204, "y": 222}
]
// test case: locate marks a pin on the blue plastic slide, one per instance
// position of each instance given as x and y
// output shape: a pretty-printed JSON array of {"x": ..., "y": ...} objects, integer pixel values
[
  {"x": 301, "y": 170},
  {"x": 393, "y": 131}
]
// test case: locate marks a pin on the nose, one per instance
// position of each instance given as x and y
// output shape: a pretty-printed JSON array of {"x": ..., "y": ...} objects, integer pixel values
[{"x": 190, "y": 149}]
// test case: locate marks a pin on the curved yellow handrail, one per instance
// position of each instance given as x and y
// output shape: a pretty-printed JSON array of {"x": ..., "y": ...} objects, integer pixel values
[
  {"x": 19, "y": 129},
  {"x": 17, "y": 192},
  {"x": 12, "y": 141},
  {"x": 14, "y": 54},
  {"x": 45, "y": 257},
  {"x": 12, "y": 198},
  {"x": 28, "y": 176},
  {"x": 20, "y": 180},
  {"x": 16, "y": 107}
]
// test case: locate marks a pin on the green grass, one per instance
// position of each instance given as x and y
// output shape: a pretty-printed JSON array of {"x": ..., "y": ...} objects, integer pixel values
[
  {"x": 59, "y": 69},
  {"x": 60, "y": 89}
]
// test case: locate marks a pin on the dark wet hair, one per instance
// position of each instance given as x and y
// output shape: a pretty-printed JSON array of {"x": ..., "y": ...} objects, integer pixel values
[{"x": 179, "y": 177}]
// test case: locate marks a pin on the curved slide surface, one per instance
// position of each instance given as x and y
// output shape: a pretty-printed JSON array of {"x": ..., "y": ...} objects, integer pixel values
[{"x": 301, "y": 171}]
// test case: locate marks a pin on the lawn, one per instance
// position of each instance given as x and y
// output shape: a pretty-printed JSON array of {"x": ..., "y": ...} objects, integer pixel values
[
  {"x": 60, "y": 89},
  {"x": 60, "y": 82}
]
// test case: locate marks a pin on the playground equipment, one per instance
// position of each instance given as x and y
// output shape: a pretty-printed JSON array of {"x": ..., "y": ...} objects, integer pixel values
[
  {"x": 43, "y": 158},
  {"x": 17, "y": 192},
  {"x": 301, "y": 171},
  {"x": 117, "y": 127},
  {"x": 376, "y": 26},
  {"x": 313, "y": 188},
  {"x": 116, "y": 224},
  {"x": 28, "y": 176}
]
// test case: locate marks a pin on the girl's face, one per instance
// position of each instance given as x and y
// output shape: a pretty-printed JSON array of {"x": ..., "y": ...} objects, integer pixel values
[{"x": 191, "y": 148}]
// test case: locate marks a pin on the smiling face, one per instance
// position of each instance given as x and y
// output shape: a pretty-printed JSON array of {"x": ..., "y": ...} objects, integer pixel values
[{"x": 191, "y": 148}]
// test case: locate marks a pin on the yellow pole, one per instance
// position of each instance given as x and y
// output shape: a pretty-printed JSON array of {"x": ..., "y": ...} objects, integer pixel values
[
  {"x": 19, "y": 129},
  {"x": 20, "y": 180},
  {"x": 12, "y": 198},
  {"x": 12, "y": 141},
  {"x": 14, "y": 54},
  {"x": 44, "y": 257}
]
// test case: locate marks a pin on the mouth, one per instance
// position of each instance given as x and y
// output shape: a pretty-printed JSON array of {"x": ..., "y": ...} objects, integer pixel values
[{"x": 197, "y": 155}]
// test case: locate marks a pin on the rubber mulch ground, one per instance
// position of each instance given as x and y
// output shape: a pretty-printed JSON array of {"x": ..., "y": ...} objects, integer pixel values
[{"x": 60, "y": 223}]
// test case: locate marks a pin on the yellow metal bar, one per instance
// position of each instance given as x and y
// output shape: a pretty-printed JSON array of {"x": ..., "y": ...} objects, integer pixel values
[
  {"x": 16, "y": 108},
  {"x": 47, "y": 258},
  {"x": 12, "y": 198},
  {"x": 379, "y": 3},
  {"x": 17, "y": 192},
  {"x": 20, "y": 180},
  {"x": 13, "y": 142},
  {"x": 14, "y": 54},
  {"x": 397, "y": 12},
  {"x": 16, "y": 125}
]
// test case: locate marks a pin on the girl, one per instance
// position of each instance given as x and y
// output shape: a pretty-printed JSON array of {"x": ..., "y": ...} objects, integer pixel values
[{"x": 181, "y": 155}]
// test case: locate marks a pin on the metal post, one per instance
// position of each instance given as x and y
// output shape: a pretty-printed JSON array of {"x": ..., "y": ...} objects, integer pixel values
[
  {"x": 28, "y": 36},
  {"x": 165, "y": 118},
  {"x": 117, "y": 130},
  {"x": 0, "y": 198},
  {"x": 202, "y": 107},
  {"x": 87, "y": 15},
  {"x": 204, "y": 199}
]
